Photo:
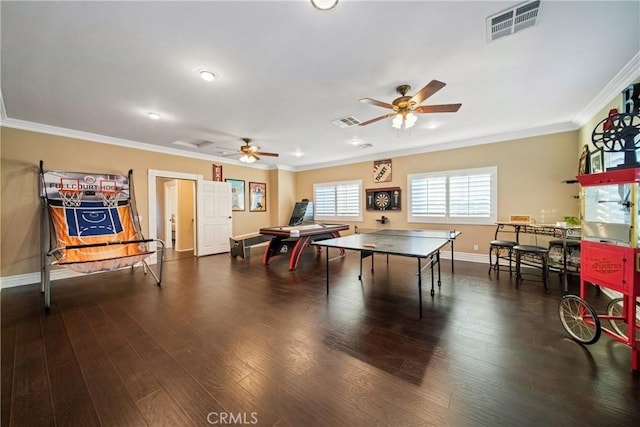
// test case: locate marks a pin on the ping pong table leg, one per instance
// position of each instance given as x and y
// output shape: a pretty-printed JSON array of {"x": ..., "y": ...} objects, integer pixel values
[
  {"x": 451, "y": 256},
  {"x": 433, "y": 292},
  {"x": 420, "y": 285},
  {"x": 327, "y": 267},
  {"x": 438, "y": 261}
]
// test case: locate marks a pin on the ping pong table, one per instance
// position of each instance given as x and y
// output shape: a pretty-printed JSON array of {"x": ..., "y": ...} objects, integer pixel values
[{"x": 419, "y": 244}]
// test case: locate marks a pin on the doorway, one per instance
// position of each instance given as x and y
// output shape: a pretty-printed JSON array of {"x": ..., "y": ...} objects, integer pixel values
[
  {"x": 176, "y": 216},
  {"x": 210, "y": 218}
]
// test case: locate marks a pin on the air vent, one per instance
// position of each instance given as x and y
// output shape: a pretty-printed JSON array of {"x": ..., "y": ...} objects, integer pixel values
[
  {"x": 512, "y": 20},
  {"x": 346, "y": 122}
]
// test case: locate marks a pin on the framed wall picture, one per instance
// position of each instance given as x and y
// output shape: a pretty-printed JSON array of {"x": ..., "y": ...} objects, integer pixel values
[
  {"x": 583, "y": 165},
  {"x": 597, "y": 161},
  {"x": 237, "y": 194},
  {"x": 217, "y": 172},
  {"x": 257, "y": 197},
  {"x": 382, "y": 170}
]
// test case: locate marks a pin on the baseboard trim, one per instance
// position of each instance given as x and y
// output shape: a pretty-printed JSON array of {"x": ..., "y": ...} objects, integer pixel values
[{"x": 57, "y": 274}]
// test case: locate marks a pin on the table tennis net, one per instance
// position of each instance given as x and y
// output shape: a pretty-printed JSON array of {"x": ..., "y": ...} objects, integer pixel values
[{"x": 442, "y": 234}]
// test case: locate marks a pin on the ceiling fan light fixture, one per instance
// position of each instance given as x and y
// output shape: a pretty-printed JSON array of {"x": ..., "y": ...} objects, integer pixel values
[
  {"x": 245, "y": 158},
  {"x": 324, "y": 4},
  {"x": 410, "y": 120},
  {"x": 397, "y": 121}
]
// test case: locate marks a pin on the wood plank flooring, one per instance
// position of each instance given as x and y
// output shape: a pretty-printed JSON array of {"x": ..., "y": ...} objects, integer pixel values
[{"x": 228, "y": 341}]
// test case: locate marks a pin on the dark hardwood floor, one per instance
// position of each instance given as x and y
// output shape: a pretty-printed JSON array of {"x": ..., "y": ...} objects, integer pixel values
[{"x": 228, "y": 341}]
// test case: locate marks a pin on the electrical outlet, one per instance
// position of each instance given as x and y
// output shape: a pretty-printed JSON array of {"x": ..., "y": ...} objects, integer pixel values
[{"x": 475, "y": 247}]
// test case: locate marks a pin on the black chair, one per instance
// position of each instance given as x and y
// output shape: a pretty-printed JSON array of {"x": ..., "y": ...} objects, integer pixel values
[
  {"x": 537, "y": 256},
  {"x": 502, "y": 249}
]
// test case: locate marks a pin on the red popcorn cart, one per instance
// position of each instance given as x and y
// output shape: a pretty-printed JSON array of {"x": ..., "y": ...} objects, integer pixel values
[{"x": 610, "y": 258}]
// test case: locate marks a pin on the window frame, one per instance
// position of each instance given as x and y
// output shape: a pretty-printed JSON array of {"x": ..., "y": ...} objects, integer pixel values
[
  {"x": 334, "y": 184},
  {"x": 491, "y": 220}
]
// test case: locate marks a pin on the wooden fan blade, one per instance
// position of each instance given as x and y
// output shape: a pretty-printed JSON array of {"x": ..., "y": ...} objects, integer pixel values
[
  {"x": 266, "y": 154},
  {"x": 427, "y": 91},
  {"x": 377, "y": 103},
  {"x": 368, "y": 122},
  {"x": 444, "y": 108}
]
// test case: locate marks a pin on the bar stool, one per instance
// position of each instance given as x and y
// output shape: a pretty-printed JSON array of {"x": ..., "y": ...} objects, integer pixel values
[
  {"x": 502, "y": 249},
  {"x": 536, "y": 252}
]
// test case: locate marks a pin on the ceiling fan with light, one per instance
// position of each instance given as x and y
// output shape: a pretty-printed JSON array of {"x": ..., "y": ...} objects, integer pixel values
[
  {"x": 405, "y": 107},
  {"x": 249, "y": 153}
]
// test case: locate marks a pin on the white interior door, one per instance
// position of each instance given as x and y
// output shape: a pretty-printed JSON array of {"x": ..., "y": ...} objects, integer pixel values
[{"x": 214, "y": 217}]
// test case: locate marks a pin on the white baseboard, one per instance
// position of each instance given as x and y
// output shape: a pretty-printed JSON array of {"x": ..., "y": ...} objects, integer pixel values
[
  {"x": 56, "y": 274},
  {"x": 64, "y": 273}
]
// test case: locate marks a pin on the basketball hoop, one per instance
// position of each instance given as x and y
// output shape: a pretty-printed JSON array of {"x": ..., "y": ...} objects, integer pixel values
[
  {"x": 109, "y": 198},
  {"x": 70, "y": 197},
  {"x": 109, "y": 193}
]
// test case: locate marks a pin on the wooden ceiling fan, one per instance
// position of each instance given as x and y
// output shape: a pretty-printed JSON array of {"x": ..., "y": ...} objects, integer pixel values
[
  {"x": 249, "y": 153},
  {"x": 405, "y": 106}
]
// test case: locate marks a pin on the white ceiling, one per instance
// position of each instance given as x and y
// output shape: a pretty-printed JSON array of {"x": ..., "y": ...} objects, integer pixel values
[{"x": 287, "y": 70}]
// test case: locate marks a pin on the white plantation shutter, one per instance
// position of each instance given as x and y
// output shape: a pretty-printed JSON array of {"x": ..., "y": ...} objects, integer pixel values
[
  {"x": 338, "y": 201},
  {"x": 462, "y": 196},
  {"x": 429, "y": 196},
  {"x": 470, "y": 196}
]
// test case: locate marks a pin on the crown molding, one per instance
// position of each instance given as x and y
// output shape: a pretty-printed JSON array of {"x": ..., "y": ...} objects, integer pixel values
[
  {"x": 93, "y": 137},
  {"x": 3, "y": 111},
  {"x": 452, "y": 144},
  {"x": 624, "y": 78},
  {"x": 439, "y": 146}
]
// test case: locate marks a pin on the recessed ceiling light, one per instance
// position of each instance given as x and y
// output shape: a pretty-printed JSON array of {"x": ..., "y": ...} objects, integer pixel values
[
  {"x": 324, "y": 4},
  {"x": 298, "y": 153},
  {"x": 207, "y": 75},
  {"x": 355, "y": 141},
  {"x": 154, "y": 116},
  {"x": 432, "y": 125}
]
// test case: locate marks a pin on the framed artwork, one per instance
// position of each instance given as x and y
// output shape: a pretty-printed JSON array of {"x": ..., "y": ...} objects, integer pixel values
[
  {"x": 237, "y": 194},
  {"x": 217, "y": 172},
  {"x": 257, "y": 197},
  {"x": 597, "y": 162},
  {"x": 382, "y": 170},
  {"x": 583, "y": 165}
]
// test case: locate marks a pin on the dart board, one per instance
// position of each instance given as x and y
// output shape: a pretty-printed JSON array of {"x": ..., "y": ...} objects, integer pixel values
[{"x": 383, "y": 199}]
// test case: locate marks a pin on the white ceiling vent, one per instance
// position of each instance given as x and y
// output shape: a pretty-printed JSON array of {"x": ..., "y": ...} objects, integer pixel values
[
  {"x": 512, "y": 20},
  {"x": 346, "y": 122}
]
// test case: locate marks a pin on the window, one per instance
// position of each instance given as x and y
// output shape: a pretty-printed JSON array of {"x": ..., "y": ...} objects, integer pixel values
[
  {"x": 466, "y": 196},
  {"x": 338, "y": 201}
]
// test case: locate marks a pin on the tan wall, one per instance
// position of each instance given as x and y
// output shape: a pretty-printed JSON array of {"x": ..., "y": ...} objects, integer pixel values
[
  {"x": 20, "y": 211},
  {"x": 186, "y": 216},
  {"x": 286, "y": 196},
  {"x": 530, "y": 172}
]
